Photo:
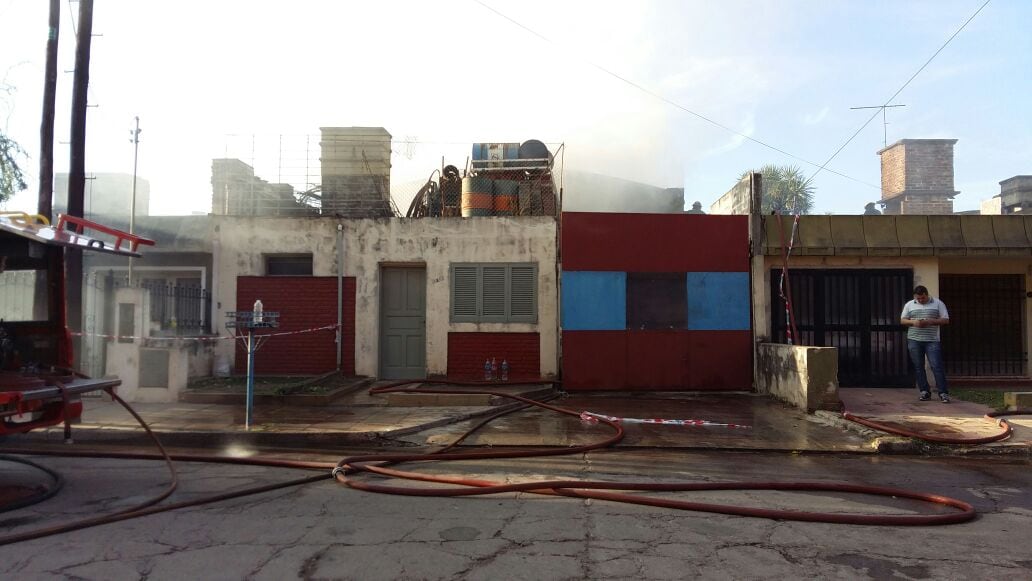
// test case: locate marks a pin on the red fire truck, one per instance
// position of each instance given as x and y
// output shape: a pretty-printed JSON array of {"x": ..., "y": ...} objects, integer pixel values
[{"x": 38, "y": 387}]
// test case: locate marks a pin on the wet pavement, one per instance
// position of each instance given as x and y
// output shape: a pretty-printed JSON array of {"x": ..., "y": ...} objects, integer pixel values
[
  {"x": 958, "y": 419},
  {"x": 362, "y": 419}
]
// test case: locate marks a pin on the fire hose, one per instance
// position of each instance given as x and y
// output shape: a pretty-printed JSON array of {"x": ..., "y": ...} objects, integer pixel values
[
  {"x": 995, "y": 417},
  {"x": 346, "y": 472}
]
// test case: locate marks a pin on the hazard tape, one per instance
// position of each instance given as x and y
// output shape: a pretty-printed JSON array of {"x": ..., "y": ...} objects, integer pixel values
[
  {"x": 217, "y": 338},
  {"x": 594, "y": 418}
]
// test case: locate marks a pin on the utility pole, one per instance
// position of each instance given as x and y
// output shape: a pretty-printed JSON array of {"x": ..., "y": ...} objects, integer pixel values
[
  {"x": 77, "y": 161},
  {"x": 885, "y": 124},
  {"x": 45, "y": 200},
  {"x": 135, "y": 140}
]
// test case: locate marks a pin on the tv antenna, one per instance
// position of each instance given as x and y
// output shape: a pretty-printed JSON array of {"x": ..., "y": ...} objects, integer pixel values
[{"x": 885, "y": 124}]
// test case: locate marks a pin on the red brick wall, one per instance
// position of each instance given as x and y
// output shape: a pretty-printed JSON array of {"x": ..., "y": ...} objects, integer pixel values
[
  {"x": 468, "y": 351},
  {"x": 304, "y": 302}
]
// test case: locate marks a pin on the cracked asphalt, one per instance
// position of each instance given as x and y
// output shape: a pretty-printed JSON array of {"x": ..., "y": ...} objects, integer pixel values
[{"x": 327, "y": 531}]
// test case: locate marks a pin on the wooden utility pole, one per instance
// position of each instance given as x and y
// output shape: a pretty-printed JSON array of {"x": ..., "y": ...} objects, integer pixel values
[
  {"x": 77, "y": 160},
  {"x": 45, "y": 203}
]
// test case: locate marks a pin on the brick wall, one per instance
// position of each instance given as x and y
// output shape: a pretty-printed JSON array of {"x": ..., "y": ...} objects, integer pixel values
[
  {"x": 468, "y": 351},
  {"x": 929, "y": 166},
  {"x": 304, "y": 302},
  {"x": 926, "y": 205},
  {"x": 893, "y": 178}
]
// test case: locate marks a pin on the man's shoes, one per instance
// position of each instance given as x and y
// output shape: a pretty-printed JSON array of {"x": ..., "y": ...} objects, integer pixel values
[
  {"x": 925, "y": 396},
  {"x": 944, "y": 397}
]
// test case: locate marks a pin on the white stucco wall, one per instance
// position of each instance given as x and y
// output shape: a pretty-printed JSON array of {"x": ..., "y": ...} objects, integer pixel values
[{"x": 241, "y": 244}]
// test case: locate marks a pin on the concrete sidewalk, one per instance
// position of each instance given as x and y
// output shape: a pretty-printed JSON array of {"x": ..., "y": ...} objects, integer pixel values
[{"x": 361, "y": 419}]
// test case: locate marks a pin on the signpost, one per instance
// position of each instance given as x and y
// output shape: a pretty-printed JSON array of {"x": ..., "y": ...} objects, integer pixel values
[{"x": 257, "y": 318}]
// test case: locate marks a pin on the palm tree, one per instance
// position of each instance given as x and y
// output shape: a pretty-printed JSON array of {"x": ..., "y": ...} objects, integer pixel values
[{"x": 785, "y": 190}]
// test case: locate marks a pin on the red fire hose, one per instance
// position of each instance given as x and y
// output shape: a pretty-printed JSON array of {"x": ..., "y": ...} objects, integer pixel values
[
  {"x": 995, "y": 417},
  {"x": 345, "y": 470},
  {"x": 599, "y": 489}
]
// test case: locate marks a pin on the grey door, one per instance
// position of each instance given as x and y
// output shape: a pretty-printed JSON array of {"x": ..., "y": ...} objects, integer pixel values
[{"x": 403, "y": 323}]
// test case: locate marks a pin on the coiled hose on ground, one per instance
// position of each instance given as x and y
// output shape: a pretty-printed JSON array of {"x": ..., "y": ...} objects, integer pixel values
[
  {"x": 347, "y": 470},
  {"x": 995, "y": 417}
]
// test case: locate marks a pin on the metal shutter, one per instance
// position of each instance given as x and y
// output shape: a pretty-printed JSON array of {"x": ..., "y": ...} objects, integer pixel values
[
  {"x": 493, "y": 302},
  {"x": 523, "y": 293},
  {"x": 464, "y": 293}
]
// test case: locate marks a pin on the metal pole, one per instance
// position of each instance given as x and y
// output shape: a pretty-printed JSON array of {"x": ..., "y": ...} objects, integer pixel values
[
  {"x": 340, "y": 293},
  {"x": 132, "y": 201},
  {"x": 249, "y": 414}
]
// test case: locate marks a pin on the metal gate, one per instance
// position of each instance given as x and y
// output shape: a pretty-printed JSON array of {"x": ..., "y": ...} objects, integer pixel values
[
  {"x": 856, "y": 311},
  {"x": 985, "y": 335}
]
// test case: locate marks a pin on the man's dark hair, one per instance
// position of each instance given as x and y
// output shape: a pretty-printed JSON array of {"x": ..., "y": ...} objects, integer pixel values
[{"x": 920, "y": 290}]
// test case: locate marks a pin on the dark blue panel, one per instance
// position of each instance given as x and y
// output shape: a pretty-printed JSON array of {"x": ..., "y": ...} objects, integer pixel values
[
  {"x": 594, "y": 301},
  {"x": 718, "y": 301}
]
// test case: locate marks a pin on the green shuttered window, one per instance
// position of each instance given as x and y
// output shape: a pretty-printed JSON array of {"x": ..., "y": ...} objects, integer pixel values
[{"x": 494, "y": 293}]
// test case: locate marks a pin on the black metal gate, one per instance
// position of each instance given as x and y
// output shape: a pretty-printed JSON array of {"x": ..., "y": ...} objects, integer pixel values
[
  {"x": 856, "y": 311},
  {"x": 985, "y": 334}
]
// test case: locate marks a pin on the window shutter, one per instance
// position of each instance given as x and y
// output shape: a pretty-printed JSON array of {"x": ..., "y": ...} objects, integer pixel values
[
  {"x": 524, "y": 293},
  {"x": 494, "y": 292},
  {"x": 464, "y": 292}
]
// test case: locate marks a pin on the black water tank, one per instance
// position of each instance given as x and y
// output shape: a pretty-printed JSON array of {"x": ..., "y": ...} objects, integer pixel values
[{"x": 533, "y": 149}]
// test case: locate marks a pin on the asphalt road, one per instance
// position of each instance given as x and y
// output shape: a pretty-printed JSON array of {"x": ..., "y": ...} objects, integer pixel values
[{"x": 327, "y": 531}]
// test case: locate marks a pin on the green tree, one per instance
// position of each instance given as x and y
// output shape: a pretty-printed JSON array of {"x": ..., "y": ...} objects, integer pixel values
[
  {"x": 12, "y": 180},
  {"x": 785, "y": 190}
]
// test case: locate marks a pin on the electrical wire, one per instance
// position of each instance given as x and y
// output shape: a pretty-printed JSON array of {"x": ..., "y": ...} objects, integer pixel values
[
  {"x": 675, "y": 104},
  {"x": 896, "y": 94}
]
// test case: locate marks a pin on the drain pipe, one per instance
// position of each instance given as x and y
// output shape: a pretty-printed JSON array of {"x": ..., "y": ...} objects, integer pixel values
[{"x": 340, "y": 292}]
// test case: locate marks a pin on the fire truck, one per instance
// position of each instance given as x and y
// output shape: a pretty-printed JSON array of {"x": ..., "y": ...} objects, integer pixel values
[{"x": 38, "y": 387}]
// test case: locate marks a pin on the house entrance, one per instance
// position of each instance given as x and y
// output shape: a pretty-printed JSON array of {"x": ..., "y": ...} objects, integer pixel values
[
  {"x": 985, "y": 335},
  {"x": 403, "y": 323},
  {"x": 856, "y": 311}
]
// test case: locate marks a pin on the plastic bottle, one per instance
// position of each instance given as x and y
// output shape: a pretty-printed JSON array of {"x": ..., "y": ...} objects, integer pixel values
[
  {"x": 487, "y": 370},
  {"x": 494, "y": 368},
  {"x": 505, "y": 370}
]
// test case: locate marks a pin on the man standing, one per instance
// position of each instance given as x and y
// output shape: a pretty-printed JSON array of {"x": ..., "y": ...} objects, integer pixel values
[{"x": 923, "y": 316}]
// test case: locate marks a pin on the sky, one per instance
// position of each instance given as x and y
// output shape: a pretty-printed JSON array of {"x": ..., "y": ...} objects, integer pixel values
[{"x": 623, "y": 86}]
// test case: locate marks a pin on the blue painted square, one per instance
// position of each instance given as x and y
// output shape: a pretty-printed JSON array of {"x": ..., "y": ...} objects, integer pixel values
[
  {"x": 594, "y": 301},
  {"x": 718, "y": 301}
]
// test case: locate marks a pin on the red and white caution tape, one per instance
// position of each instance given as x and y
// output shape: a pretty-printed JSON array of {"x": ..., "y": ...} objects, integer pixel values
[{"x": 593, "y": 418}]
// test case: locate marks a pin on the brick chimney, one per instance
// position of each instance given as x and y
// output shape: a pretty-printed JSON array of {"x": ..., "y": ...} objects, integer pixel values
[{"x": 917, "y": 176}]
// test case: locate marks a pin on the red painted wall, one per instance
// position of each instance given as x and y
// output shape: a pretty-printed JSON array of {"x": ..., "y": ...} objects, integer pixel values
[
  {"x": 657, "y": 360},
  {"x": 468, "y": 351},
  {"x": 304, "y": 302},
  {"x": 655, "y": 242}
]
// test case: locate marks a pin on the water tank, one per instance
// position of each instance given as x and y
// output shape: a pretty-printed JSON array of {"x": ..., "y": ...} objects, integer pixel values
[
  {"x": 477, "y": 197},
  {"x": 534, "y": 149},
  {"x": 505, "y": 197}
]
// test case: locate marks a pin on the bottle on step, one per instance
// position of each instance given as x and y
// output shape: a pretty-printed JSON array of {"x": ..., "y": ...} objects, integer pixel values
[
  {"x": 505, "y": 370},
  {"x": 487, "y": 370}
]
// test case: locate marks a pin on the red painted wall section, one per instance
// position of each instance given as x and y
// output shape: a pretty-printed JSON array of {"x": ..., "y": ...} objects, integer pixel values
[
  {"x": 655, "y": 242},
  {"x": 657, "y": 360},
  {"x": 594, "y": 360},
  {"x": 304, "y": 302},
  {"x": 468, "y": 351}
]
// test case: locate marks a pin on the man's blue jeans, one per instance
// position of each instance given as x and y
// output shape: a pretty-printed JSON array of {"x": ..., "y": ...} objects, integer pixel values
[{"x": 933, "y": 350}]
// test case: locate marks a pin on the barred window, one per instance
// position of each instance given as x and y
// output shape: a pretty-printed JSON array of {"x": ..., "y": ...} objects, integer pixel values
[{"x": 494, "y": 293}]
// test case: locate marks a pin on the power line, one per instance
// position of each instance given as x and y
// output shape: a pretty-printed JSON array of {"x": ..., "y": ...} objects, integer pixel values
[
  {"x": 668, "y": 101},
  {"x": 900, "y": 90}
]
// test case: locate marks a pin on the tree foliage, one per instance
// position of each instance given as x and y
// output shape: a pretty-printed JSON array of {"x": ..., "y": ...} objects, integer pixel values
[
  {"x": 12, "y": 180},
  {"x": 785, "y": 190}
]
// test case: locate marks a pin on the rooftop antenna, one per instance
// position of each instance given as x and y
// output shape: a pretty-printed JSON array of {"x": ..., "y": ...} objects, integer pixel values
[{"x": 885, "y": 124}]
